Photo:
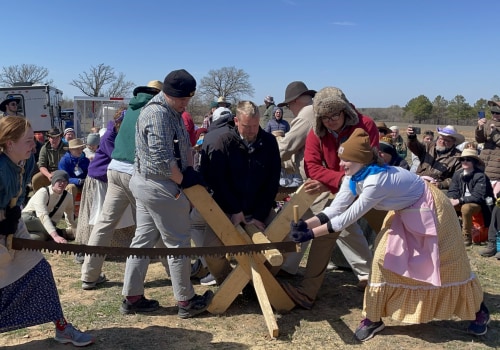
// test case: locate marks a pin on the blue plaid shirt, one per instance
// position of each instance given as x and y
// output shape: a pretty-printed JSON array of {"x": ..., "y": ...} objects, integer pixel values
[{"x": 157, "y": 127}]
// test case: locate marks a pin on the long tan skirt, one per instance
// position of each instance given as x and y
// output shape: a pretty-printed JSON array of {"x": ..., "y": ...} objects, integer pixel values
[
  {"x": 122, "y": 237},
  {"x": 411, "y": 301}
]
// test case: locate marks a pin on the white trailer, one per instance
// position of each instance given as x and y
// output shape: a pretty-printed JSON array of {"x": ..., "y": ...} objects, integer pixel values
[
  {"x": 94, "y": 111},
  {"x": 40, "y": 104}
]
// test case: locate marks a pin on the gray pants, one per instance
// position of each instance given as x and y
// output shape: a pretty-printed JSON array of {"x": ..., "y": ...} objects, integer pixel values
[
  {"x": 162, "y": 213},
  {"x": 35, "y": 227}
]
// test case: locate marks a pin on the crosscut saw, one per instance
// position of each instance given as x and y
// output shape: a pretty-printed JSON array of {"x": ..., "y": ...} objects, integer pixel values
[{"x": 153, "y": 253}]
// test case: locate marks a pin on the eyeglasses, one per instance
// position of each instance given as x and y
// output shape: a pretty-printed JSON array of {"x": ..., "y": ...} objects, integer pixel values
[
  {"x": 332, "y": 118},
  {"x": 466, "y": 159}
]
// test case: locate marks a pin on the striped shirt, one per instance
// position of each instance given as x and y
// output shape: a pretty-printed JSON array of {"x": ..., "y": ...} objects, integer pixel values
[{"x": 157, "y": 127}]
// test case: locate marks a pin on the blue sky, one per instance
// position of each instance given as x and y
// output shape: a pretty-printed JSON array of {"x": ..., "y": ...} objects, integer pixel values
[{"x": 380, "y": 53}]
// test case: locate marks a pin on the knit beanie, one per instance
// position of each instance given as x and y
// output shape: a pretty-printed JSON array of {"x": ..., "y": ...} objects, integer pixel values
[
  {"x": 59, "y": 175},
  {"x": 179, "y": 83},
  {"x": 93, "y": 139},
  {"x": 357, "y": 148}
]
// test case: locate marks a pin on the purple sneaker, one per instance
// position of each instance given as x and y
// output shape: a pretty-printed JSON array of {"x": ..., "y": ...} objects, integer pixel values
[{"x": 367, "y": 329}]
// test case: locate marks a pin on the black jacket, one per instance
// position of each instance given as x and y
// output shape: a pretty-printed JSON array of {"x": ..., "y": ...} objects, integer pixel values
[
  {"x": 242, "y": 178},
  {"x": 479, "y": 186}
]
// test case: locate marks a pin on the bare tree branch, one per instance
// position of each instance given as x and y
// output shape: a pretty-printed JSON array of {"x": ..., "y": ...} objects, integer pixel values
[
  {"x": 94, "y": 82},
  {"x": 230, "y": 82},
  {"x": 24, "y": 73}
]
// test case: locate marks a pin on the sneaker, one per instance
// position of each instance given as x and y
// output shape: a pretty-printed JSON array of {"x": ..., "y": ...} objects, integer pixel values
[
  {"x": 297, "y": 297},
  {"x": 367, "y": 329},
  {"x": 141, "y": 305},
  {"x": 480, "y": 325},
  {"x": 490, "y": 250},
  {"x": 91, "y": 285},
  {"x": 197, "y": 305},
  {"x": 208, "y": 280},
  {"x": 72, "y": 335}
]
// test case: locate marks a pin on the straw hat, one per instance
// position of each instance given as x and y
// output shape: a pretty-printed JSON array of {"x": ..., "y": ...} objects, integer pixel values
[
  {"x": 153, "y": 87},
  {"x": 471, "y": 153},
  {"x": 75, "y": 144}
]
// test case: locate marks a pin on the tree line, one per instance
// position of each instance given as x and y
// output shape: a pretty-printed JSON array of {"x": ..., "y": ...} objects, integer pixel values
[{"x": 101, "y": 80}]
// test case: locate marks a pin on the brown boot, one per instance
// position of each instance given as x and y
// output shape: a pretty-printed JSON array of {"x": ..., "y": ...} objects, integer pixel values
[
  {"x": 490, "y": 250},
  {"x": 467, "y": 240}
]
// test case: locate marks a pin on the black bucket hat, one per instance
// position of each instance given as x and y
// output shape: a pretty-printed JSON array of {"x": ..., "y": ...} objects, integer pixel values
[{"x": 294, "y": 90}]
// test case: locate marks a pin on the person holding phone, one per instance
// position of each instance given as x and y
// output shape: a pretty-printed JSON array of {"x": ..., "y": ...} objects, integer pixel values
[{"x": 438, "y": 159}]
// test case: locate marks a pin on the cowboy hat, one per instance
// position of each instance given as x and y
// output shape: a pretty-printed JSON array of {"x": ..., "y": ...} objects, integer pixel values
[
  {"x": 382, "y": 126},
  {"x": 8, "y": 100},
  {"x": 54, "y": 132},
  {"x": 450, "y": 131},
  {"x": 471, "y": 153},
  {"x": 75, "y": 144},
  {"x": 294, "y": 90},
  {"x": 153, "y": 87},
  {"x": 495, "y": 106}
]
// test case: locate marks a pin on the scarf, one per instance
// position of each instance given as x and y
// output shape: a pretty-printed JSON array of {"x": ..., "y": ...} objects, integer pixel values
[{"x": 370, "y": 169}]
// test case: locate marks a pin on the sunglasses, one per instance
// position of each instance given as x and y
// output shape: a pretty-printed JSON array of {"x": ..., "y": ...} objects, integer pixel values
[
  {"x": 466, "y": 159},
  {"x": 495, "y": 113},
  {"x": 382, "y": 131}
]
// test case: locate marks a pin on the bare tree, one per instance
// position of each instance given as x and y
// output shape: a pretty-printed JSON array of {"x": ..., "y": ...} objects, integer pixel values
[
  {"x": 227, "y": 81},
  {"x": 30, "y": 73},
  {"x": 102, "y": 81}
]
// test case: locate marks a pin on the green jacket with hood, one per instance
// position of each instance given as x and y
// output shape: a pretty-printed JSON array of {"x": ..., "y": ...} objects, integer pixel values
[{"x": 125, "y": 140}]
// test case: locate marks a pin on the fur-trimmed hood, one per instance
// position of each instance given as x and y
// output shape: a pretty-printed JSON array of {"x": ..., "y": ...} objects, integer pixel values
[{"x": 331, "y": 100}]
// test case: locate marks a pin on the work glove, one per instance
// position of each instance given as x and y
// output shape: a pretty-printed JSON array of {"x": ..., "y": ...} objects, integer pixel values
[
  {"x": 9, "y": 225},
  {"x": 299, "y": 232},
  {"x": 191, "y": 177}
]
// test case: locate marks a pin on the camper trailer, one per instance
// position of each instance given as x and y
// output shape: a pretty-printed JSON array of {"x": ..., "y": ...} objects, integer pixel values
[{"x": 40, "y": 104}]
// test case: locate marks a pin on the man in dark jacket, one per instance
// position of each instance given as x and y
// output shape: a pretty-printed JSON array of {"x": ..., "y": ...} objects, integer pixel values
[{"x": 241, "y": 165}]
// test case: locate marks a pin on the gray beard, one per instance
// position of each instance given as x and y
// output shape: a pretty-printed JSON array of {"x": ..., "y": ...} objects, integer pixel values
[{"x": 442, "y": 149}]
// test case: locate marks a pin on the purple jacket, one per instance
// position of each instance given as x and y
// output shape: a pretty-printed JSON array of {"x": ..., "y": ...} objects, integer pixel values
[{"x": 99, "y": 165}]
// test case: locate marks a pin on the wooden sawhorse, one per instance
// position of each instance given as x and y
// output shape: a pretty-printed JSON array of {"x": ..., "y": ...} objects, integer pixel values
[{"x": 250, "y": 267}]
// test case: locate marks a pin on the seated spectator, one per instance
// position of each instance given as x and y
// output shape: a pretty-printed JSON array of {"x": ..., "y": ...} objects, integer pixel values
[
  {"x": 383, "y": 130},
  {"x": 428, "y": 137},
  {"x": 47, "y": 207},
  {"x": 76, "y": 165},
  {"x": 388, "y": 153},
  {"x": 468, "y": 191},
  {"x": 92, "y": 145},
  {"x": 398, "y": 142},
  {"x": 69, "y": 134},
  {"x": 438, "y": 160},
  {"x": 48, "y": 159},
  {"x": 277, "y": 123}
]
